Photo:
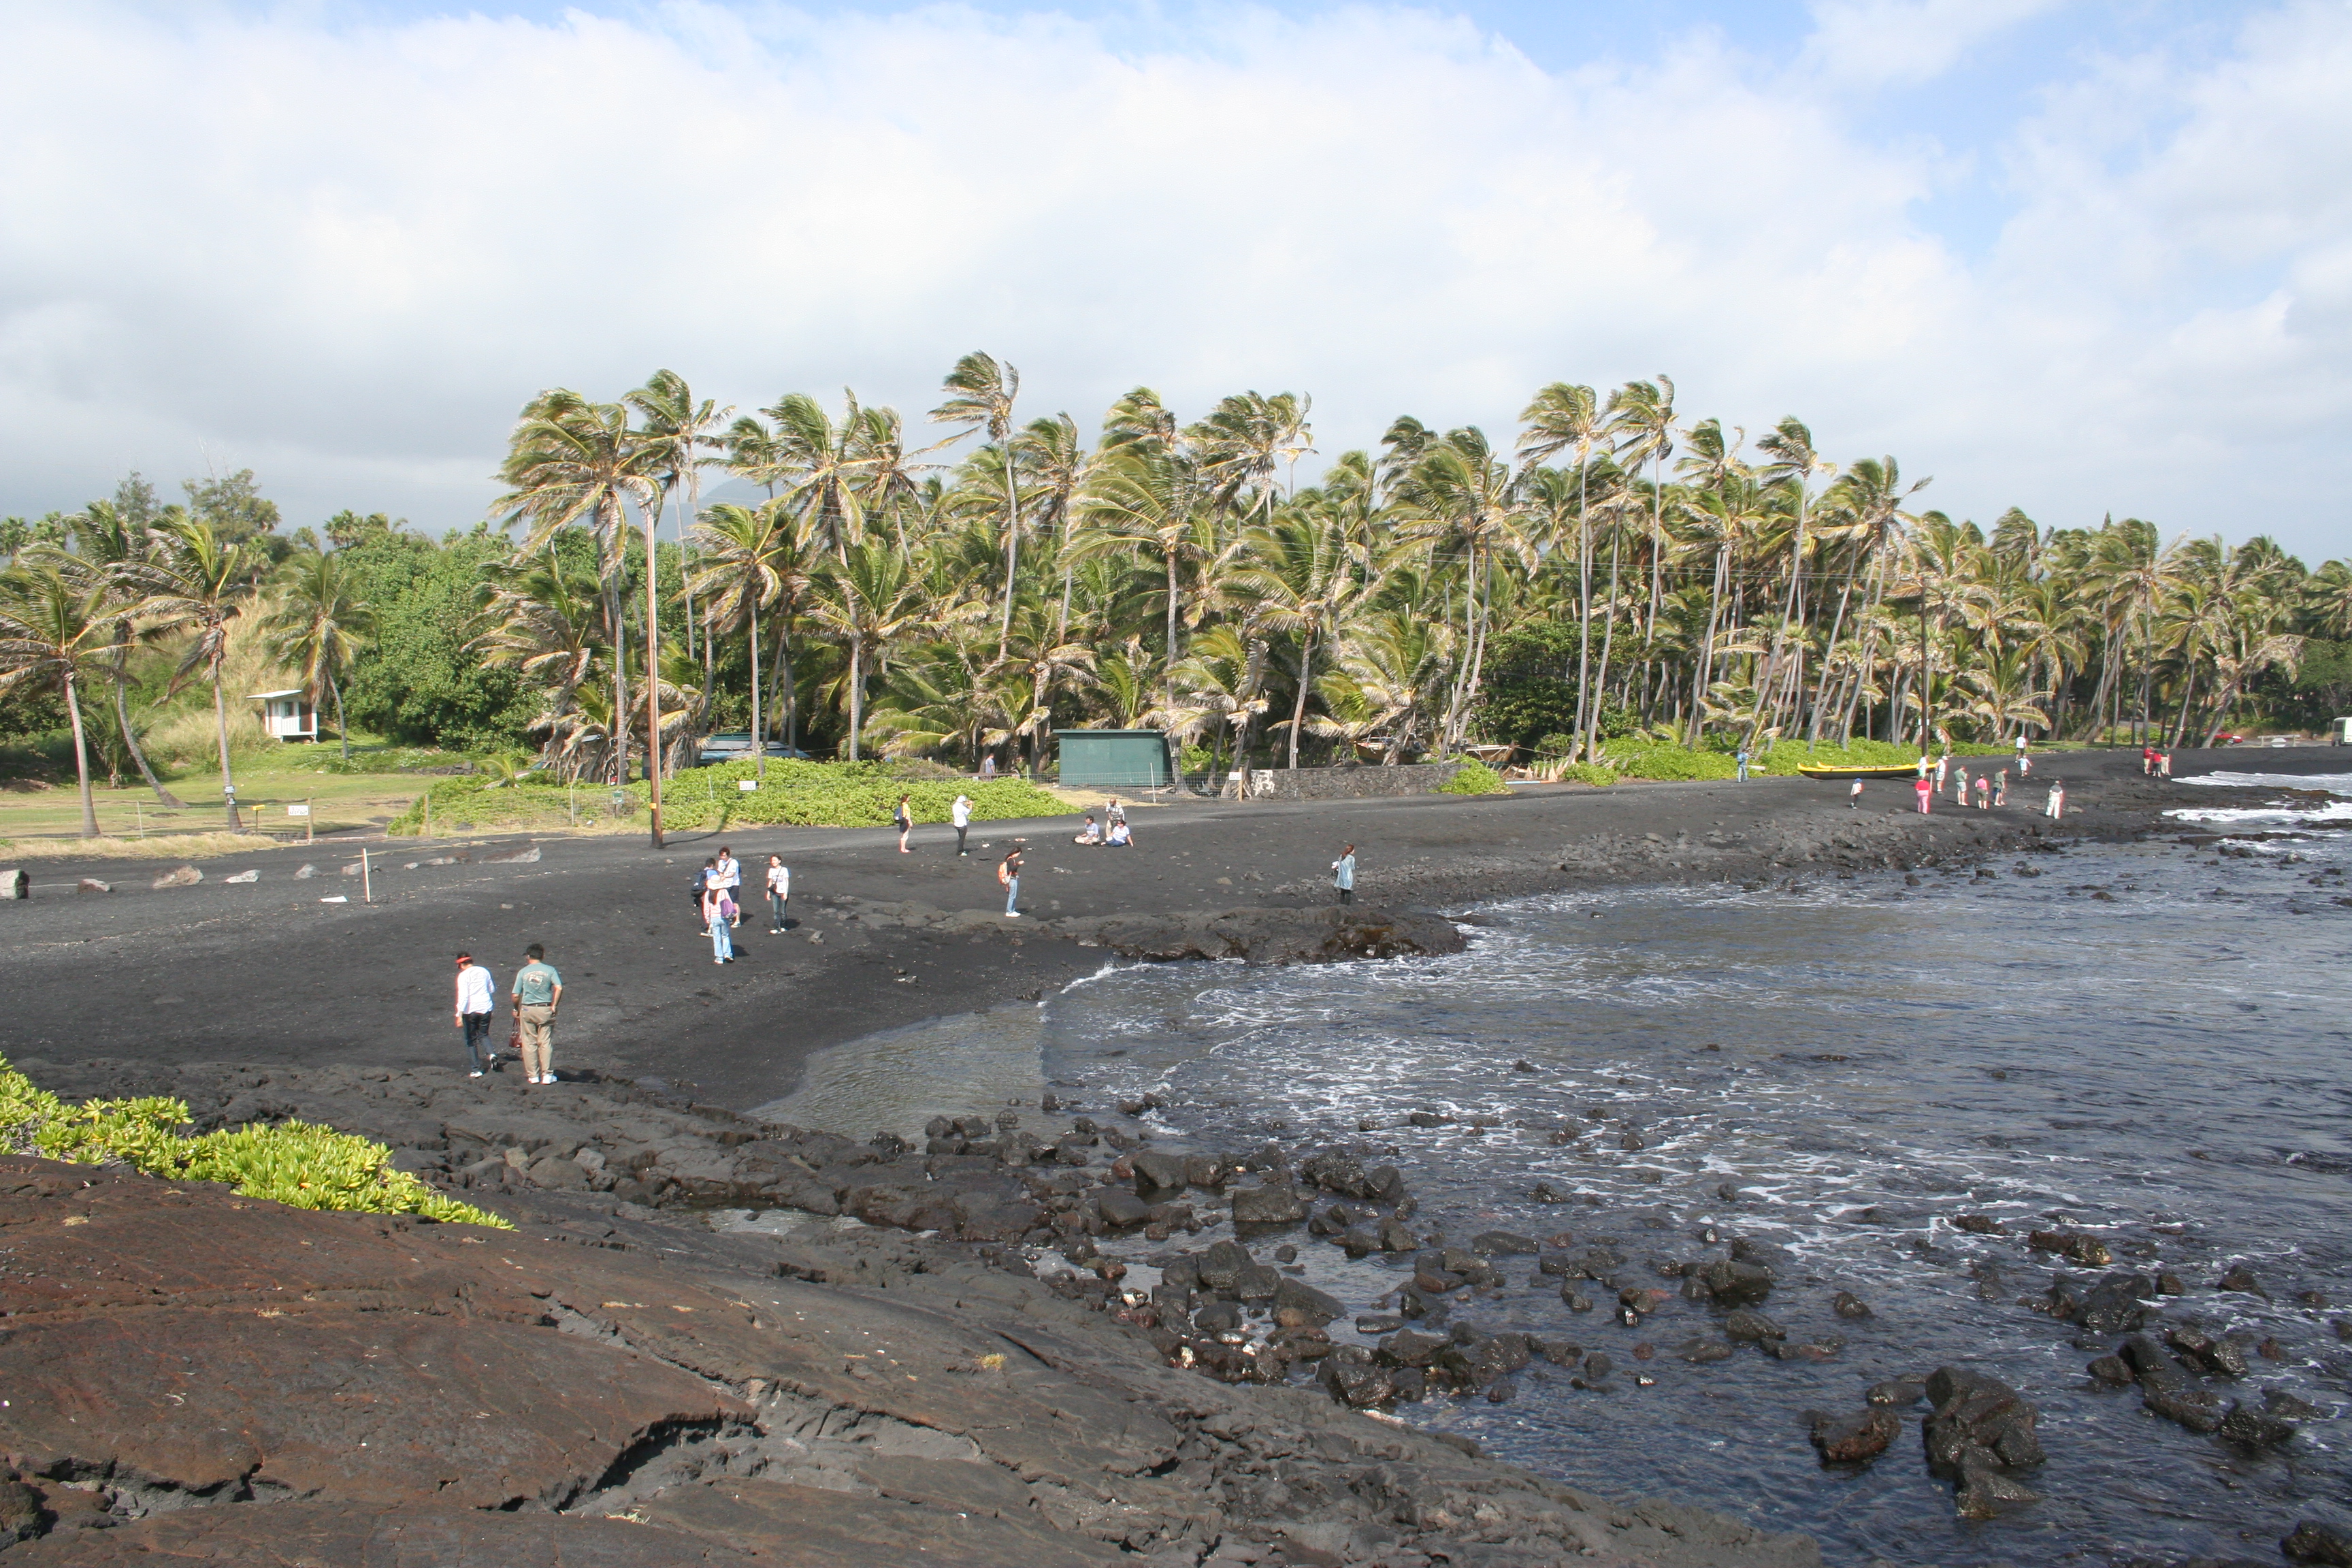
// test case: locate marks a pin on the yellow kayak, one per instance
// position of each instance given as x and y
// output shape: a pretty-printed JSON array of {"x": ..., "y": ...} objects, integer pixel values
[{"x": 1851, "y": 770}]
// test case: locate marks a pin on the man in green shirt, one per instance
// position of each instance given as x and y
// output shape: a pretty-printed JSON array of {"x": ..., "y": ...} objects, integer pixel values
[{"x": 538, "y": 992}]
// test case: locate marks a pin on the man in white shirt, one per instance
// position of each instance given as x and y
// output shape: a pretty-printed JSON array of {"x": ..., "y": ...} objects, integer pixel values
[
  {"x": 477, "y": 1002},
  {"x": 960, "y": 815}
]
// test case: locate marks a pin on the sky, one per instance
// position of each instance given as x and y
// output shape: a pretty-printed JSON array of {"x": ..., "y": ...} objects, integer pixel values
[{"x": 2083, "y": 258}]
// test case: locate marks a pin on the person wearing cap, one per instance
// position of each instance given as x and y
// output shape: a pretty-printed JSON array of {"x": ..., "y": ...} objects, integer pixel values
[
  {"x": 538, "y": 992},
  {"x": 477, "y": 1003}
]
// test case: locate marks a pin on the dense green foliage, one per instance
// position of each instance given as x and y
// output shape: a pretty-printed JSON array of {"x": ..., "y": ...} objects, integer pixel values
[
  {"x": 294, "y": 1162},
  {"x": 1475, "y": 778},
  {"x": 419, "y": 683}
]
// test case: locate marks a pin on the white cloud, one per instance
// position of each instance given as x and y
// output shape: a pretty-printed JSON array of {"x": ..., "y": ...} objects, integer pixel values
[
  {"x": 345, "y": 256},
  {"x": 1901, "y": 43}
]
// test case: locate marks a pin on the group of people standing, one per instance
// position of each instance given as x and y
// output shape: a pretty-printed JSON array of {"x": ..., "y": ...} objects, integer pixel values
[
  {"x": 1988, "y": 789},
  {"x": 719, "y": 907}
]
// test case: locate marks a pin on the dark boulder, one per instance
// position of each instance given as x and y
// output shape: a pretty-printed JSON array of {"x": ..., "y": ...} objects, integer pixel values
[
  {"x": 1297, "y": 1296},
  {"x": 1221, "y": 1263},
  {"x": 1855, "y": 1439},
  {"x": 1701, "y": 1349},
  {"x": 1980, "y": 1432},
  {"x": 1121, "y": 1208},
  {"x": 1272, "y": 1203},
  {"x": 1980, "y": 1224},
  {"x": 2112, "y": 1304},
  {"x": 2110, "y": 1371},
  {"x": 2252, "y": 1430},
  {"x": 2241, "y": 1278},
  {"x": 1406, "y": 1348},
  {"x": 1359, "y": 1384},
  {"x": 2208, "y": 1353},
  {"x": 1502, "y": 1243},
  {"x": 2312, "y": 1542},
  {"x": 1752, "y": 1328},
  {"x": 1158, "y": 1173},
  {"x": 1846, "y": 1304},
  {"x": 1733, "y": 1283},
  {"x": 1336, "y": 1170},
  {"x": 2077, "y": 1246}
]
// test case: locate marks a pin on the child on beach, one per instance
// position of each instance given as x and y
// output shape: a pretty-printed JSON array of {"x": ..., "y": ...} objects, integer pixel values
[
  {"x": 1008, "y": 877},
  {"x": 1926, "y": 795},
  {"x": 718, "y": 914},
  {"x": 1854, "y": 795}
]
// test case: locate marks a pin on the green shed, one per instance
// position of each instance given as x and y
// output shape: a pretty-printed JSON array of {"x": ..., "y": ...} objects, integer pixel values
[{"x": 1123, "y": 759}]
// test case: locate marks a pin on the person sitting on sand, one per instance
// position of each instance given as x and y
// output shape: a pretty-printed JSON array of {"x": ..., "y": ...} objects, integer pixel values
[
  {"x": 1120, "y": 838},
  {"x": 1091, "y": 833}
]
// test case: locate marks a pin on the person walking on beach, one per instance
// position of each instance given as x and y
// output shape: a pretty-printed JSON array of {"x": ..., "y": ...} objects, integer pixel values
[
  {"x": 538, "y": 993},
  {"x": 960, "y": 815},
  {"x": 702, "y": 880},
  {"x": 477, "y": 1003},
  {"x": 1926, "y": 795},
  {"x": 988, "y": 766},
  {"x": 2164, "y": 764},
  {"x": 1943, "y": 769},
  {"x": 1961, "y": 785},
  {"x": 2020, "y": 748},
  {"x": 2000, "y": 789},
  {"x": 1742, "y": 761},
  {"x": 1854, "y": 795},
  {"x": 2025, "y": 766},
  {"x": 718, "y": 912},
  {"x": 2057, "y": 806},
  {"x": 902, "y": 818},
  {"x": 780, "y": 893},
  {"x": 1343, "y": 874},
  {"x": 1008, "y": 877}
]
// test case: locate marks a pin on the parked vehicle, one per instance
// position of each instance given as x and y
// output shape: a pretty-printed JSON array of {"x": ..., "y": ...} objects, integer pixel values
[
  {"x": 735, "y": 746},
  {"x": 2339, "y": 731}
]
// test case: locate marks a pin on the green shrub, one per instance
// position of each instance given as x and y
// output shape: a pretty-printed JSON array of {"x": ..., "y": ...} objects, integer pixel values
[
  {"x": 1645, "y": 759},
  {"x": 295, "y": 1163},
  {"x": 1594, "y": 774},
  {"x": 1475, "y": 778}
]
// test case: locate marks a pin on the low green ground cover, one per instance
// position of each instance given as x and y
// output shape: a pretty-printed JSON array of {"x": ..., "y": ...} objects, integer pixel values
[
  {"x": 1475, "y": 778},
  {"x": 1643, "y": 758},
  {"x": 295, "y": 1163}
]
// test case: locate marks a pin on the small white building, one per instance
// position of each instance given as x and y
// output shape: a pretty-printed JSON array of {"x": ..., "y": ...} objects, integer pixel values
[{"x": 287, "y": 715}]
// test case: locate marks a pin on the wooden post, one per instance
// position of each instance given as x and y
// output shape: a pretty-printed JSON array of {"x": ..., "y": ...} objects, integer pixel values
[
  {"x": 571, "y": 799},
  {"x": 428, "y": 812},
  {"x": 367, "y": 889},
  {"x": 310, "y": 819}
]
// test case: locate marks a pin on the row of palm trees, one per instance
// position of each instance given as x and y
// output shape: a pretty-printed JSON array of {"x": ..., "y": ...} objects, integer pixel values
[
  {"x": 73, "y": 613},
  {"x": 1176, "y": 575},
  {"x": 872, "y": 588}
]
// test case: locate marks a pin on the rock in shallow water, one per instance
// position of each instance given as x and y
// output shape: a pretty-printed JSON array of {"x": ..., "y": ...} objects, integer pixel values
[
  {"x": 1980, "y": 1431},
  {"x": 1855, "y": 1439}
]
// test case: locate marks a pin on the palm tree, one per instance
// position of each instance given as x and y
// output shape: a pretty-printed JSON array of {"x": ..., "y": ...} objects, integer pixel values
[
  {"x": 541, "y": 617},
  {"x": 1243, "y": 440},
  {"x": 1145, "y": 499},
  {"x": 105, "y": 541},
  {"x": 980, "y": 397},
  {"x": 748, "y": 553},
  {"x": 1560, "y": 416},
  {"x": 870, "y": 602},
  {"x": 572, "y": 461},
  {"x": 317, "y": 629},
  {"x": 1640, "y": 418},
  {"x": 198, "y": 585},
  {"x": 677, "y": 432},
  {"x": 1461, "y": 493},
  {"x": 53, "y": 631},
  {"x": 1794, "y": 466},
  {"x": 1297, "y": 582}
]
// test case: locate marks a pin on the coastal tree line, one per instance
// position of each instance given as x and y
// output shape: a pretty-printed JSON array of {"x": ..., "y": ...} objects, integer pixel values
[{"x": 1605, "y": 574}]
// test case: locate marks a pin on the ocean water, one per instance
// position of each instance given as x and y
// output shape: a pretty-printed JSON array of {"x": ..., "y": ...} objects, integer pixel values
[{"x": 2149, "y": 1041}]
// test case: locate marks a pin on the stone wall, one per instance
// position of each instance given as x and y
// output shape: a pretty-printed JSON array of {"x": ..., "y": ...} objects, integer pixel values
[{"x": 1350, "y": 783}]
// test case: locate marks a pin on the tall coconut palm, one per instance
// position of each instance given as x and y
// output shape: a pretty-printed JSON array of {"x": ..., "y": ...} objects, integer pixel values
[
  {"x": 870, "y": 602},
  {"x": 1460, "y": 493},
  {"x": 1641, "y": 420},
  {"x": 681, "y": 436},
  {"x": 540, "y": 616},
  {"x": 318, "y": 629},
  {"x": 981, "y": 393},
  {"x": 106, "y": 540},
  {"x": 1564, "y": 415},
  {"x": 1296, "y": 583},
  {"x": 197, "y": 585},
  {"x": 570, "y": 461},
  {"x": 1794, "y": 466},
  {"x": 1869, "y": 496},
  {"x": 1145, "y": 499},
  {"x": 1244, "y": 441},
  {"x": 55, "y": 631},
  {"x": 751, "y": 556}
]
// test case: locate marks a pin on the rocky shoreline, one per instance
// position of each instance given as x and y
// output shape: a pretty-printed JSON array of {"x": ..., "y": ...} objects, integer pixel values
[{"x": 935, "y": 1359}]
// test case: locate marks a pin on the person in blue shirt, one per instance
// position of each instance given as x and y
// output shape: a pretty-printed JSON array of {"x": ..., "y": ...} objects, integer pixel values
[
  {"x": 538, "y": 992},
  {"x": 1343, "y": 874}
]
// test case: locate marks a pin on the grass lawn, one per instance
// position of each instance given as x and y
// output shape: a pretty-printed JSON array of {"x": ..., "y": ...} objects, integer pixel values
[{"x": 36, "y": 820}]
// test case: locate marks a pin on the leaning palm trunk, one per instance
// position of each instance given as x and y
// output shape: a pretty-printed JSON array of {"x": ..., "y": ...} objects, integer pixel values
[
  {"x": 1608, "y": 640},
  {"x": 653, "y": 684},
  {"x": 620, "y": 737},
  {"x": 81, "y": 764},
  {"x": 343, "y": 731},
  {"x": 1299, "y": 706},
  {"x": 139, "y": 754},
  {"x": 1583, "y": 603},
  {"x": 220, "y": 718}
]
